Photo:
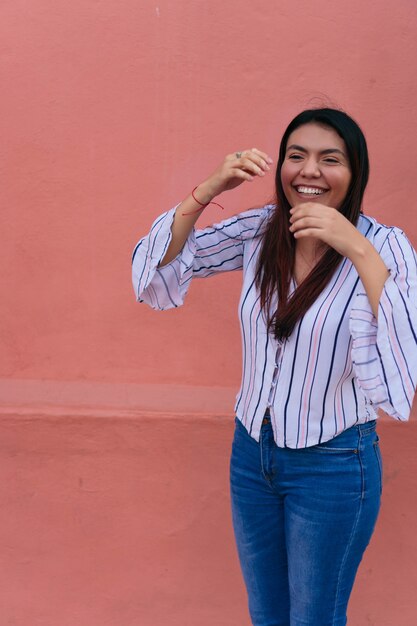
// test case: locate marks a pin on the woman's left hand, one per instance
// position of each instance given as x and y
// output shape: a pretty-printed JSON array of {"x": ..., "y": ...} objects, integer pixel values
[{"x": 311, "y": 219}]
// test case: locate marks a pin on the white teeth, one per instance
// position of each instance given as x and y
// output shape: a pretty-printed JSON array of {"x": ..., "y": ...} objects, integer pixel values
[{"x": 310, "y": 190}]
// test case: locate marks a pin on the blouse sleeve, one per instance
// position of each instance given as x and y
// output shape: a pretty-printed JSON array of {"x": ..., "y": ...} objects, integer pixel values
[
  {"x": 217, "y": 248},
  {"x": 384, "y": 351}
]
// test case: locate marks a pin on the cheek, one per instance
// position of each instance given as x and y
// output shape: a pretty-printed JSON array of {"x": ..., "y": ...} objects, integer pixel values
[
  {"x": 340, "y": 189},
  {"x": 286, "y": 176},
  {"x": 342, "y": 184},
  {"x": 347, "y": 183}
]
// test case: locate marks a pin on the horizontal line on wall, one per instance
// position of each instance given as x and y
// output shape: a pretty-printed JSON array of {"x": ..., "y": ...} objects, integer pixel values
[{"x": 102, "y": 399}]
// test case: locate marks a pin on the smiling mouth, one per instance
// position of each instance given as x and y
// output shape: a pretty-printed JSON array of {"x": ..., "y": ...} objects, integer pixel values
[{"x": 309, "y": 191}]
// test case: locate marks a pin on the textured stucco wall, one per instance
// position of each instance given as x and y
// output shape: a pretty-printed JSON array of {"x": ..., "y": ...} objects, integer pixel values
[
  {"x": 126, "y": 522},
  {"x": 115, "y": 420},
  {"x": 113, "y": 111}
]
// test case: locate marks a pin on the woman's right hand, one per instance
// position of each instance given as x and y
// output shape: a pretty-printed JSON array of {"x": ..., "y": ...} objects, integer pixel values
[{"x": 236, "y": 169}]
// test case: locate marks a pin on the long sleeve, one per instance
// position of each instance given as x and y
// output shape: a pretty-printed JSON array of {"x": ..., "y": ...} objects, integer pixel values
[
  {"x": 217, "y": 248},
  {"x": 384, "y": 351}
]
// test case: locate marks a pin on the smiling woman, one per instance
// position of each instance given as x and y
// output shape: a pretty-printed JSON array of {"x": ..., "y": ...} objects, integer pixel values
[
  {"x": 316, "y": 168},
  {"x": 328, "y": 316},
  {"x": 316, "y": 165},
  {"x": 333, "y": 156}
]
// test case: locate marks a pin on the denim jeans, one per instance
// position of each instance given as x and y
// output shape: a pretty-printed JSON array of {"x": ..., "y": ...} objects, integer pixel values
[{"x": 302, "y": 521}]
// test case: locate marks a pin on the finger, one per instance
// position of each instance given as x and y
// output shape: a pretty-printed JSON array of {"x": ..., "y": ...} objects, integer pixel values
[
  {"x": 307, "y": 208},
  {"x": 306, "y": 222},
  {"x": 305, "y": 214},
  {"x": 255, "y": 155},
  {"x": 309, "y": 232},
  {"x": 249, "y": 165},
  {"x": 297, "y": 209},
  {"x": 259, "y": 160},
  {"x": 303, "y": 206},
  {"x": 238, "y": 173},
  {"x": 264, "y": 156}
]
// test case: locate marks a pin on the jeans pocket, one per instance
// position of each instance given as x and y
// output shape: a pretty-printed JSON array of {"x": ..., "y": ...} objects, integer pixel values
[
  {"x": 322, "y": 448},
  {"x": 338, "y": 445},
  {"x": 346, "y": 443},
  {"x": 379, "y": 459}
]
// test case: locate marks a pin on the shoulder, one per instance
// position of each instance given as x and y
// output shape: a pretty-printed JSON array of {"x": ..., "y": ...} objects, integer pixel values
[
  {"x": 247, "y": 224},
  {"x": 388, "y": 240},
  {"x": 377, "y": 232},
  {"x": 258, "y": 214},
  {"x": 253, "y": 222}
]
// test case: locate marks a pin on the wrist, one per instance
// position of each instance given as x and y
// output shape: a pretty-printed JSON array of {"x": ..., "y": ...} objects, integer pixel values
[
  {"x": 353, "y": 245},
  {"x": 360, "y": 248},
  {"x": 205, "y": 192}
]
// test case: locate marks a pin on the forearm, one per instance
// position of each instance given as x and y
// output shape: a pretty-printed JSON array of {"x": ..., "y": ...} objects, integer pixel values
[
  {"x": 372, "y": 271},
  {"x": 233, "y": 171},
  {"x": 182, "y": 225}
]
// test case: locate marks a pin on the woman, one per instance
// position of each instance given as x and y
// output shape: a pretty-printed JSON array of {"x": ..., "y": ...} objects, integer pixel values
[{"x": 328, "y": 316}]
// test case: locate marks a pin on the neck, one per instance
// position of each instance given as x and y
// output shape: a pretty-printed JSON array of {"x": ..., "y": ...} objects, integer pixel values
[{"x": 310, "y": 249}]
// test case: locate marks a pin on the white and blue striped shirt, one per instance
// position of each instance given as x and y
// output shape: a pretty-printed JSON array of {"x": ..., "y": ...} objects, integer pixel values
[{"x": 338, "y": 366}]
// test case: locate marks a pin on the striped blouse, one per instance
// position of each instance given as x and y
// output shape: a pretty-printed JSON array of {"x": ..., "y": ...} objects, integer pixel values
[{"x": 340, "y": 364}]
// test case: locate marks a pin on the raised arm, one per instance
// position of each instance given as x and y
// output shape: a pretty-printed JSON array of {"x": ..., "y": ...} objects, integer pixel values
[{"x": 233, "y": 171}]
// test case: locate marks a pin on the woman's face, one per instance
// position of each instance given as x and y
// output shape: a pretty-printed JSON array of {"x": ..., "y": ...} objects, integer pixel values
[{"x": 316, "y": 166}]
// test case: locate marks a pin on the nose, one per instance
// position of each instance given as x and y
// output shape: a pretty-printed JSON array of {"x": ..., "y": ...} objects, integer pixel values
[{"x": 310, "y": 168}]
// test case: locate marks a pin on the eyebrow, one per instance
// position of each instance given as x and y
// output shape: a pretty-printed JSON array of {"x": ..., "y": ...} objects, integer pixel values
[{"x": 327, "y": 151}]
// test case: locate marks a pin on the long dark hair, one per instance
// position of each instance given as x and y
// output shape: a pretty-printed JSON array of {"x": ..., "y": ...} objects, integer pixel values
[{"x": 276, "y": 260}]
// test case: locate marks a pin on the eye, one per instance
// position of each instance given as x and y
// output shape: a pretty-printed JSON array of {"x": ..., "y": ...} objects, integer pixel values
[
  {"x": 330, "y": 160},
  {"x": 295, "y": 156}
]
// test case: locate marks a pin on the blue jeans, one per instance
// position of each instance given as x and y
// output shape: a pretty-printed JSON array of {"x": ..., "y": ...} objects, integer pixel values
[{"x": 302, "y": 521}]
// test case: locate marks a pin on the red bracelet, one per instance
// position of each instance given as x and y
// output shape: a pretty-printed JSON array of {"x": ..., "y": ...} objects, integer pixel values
[{"x": 203, "y": 206}]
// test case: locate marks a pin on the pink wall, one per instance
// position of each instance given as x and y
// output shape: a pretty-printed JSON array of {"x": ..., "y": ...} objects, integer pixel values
[
  {"x": 119, "y": 523},
  {"x": 110, "y": 113},
  {"x": 113, "y": 111}
]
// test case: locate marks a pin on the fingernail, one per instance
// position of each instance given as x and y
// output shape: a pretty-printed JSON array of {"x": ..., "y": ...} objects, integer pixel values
[{"x": 270, "y": 160}]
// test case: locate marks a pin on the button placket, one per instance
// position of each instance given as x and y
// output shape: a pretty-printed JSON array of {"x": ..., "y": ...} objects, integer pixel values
[{"x": 277, "y": 368}]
